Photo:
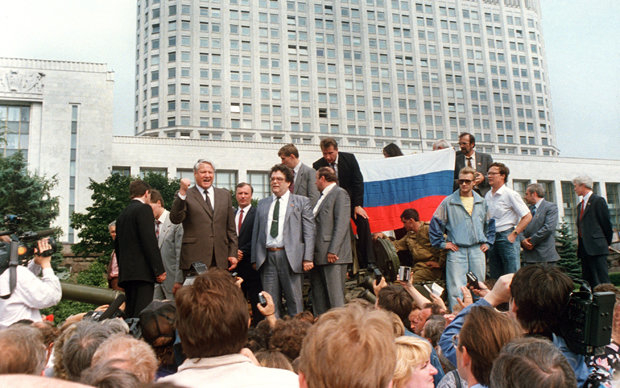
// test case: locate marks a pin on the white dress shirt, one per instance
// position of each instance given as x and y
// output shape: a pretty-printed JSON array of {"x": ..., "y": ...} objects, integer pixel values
[
  {"x": 322, "y": 197},
  {"x": 507, "y": 208},
  {"x": 31, "y": 294},
  {"x": 246, "y": 210},
  {"x": 278, "y": 241}
]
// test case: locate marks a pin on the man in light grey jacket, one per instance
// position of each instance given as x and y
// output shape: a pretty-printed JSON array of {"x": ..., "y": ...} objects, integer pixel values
[
  {"x": 169, "y": 240},
  {"x": 283, "y": 241},
  {"x": 538, "y": 238},
  {"x": 332, "y": 247}
]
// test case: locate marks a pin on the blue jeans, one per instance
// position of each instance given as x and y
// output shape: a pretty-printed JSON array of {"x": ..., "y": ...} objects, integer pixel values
[
  {"x": 458, "y": 264},
  {"x": 504, "y": 256}
]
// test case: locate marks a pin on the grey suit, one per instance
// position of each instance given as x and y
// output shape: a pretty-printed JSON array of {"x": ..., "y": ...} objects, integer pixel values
[
  {"x": 170, "y": 240},
  {"x": 304, "y": 184},
  {"x": 541, "y": 232},
  {"x": 332, "y": 236},
  {"x": 483, "y": 161},
  {"x": 283, "y": 270}
]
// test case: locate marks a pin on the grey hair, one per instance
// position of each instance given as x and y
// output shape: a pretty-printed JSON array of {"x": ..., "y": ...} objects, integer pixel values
[
  {"x": 441, "y": 144},
  {"x": 80, "y": 347},
  {"x": 583, "y": 180},
  {"x": 536, "y": 188},
  {"x": 201, "y": 161},
  {"x": 111, "y": 224}
]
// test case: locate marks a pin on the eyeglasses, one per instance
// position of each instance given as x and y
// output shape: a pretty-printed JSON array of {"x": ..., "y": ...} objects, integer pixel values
[
  {"x": 493, "y": 173},
  {"x": 467, "y": 181}
]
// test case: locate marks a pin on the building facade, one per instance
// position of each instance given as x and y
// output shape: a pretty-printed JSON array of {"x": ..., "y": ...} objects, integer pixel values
[
  {"x": 367, "y": 72},
  {"x": 59, "y": 114}
]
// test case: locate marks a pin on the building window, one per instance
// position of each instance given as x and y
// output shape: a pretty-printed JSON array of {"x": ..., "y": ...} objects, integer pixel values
[
  {"x": 569, "y": 203},
  {"x": 14, "y": 128},
  {"x": 260, "y": 182},
  {"x": 185, "y": 173},
  {"x": 226, "y": 179},
  {"x": 153, "y": 170},
  {"x": 613, "y": 202},
  {"x": 121, "y": 170},
  {"x": 72, "y": 169}
]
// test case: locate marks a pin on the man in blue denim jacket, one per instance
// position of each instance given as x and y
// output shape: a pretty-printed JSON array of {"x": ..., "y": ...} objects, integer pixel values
[{"x": 463, "y": 217}]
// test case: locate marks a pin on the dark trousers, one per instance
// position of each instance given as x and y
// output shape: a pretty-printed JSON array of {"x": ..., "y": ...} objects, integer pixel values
[
  {"x": 251, "y": 288},
  {"x": 594, "y": 269},
  {"x": 138, "y": 294},
  {"x": 365, "y": 253}
]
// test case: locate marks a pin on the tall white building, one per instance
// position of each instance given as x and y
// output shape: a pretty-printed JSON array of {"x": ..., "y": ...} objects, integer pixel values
[{"x": 367, "y": 72}]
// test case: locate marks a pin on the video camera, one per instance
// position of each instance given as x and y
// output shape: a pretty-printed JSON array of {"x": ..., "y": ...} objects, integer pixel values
[
  {"x": 21, "y": 248},
  {"x": 587, "y": 321}
]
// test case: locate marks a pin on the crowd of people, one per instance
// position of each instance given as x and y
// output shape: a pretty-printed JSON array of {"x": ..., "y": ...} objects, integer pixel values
[{"x": 190, "y": 323}]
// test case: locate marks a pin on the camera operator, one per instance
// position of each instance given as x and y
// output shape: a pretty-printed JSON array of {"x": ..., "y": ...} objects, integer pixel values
[{"x": 31, "y": 291}]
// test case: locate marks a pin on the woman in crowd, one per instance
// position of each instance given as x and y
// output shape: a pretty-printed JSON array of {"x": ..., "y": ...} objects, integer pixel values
[{"x": 413, "y": 366}]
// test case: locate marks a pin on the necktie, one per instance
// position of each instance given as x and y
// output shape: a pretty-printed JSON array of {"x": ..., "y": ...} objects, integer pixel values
[
  {"x": 274, "y": 222},
  {"x": 583, "y": 206},
  {"x": 533, "y": 210},
  {"x": 291, "y": 188},
  {"x": 469, "y": 162},
  {"x": 157, "y": 222},
  {"x": 334, "y": 166},
  {"x": 240, "y": 221},
  {"x": 208, "y": 200}
]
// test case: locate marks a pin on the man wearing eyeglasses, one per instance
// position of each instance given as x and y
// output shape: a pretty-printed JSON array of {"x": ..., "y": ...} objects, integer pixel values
[
  {"x": 463, "y": 217},
  {"x": 511, "y": 216}
]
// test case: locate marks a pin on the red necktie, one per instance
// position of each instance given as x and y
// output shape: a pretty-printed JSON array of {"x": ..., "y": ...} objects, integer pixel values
[
  {"x": 292, "y": 186},
  {"x": 240, "y": 222}
]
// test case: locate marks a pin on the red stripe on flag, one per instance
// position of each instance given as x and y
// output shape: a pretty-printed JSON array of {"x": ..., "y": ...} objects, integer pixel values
[{"x": 382, "y": 218}]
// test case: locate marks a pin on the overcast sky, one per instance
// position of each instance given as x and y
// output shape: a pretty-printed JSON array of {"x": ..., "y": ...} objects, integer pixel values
[{"x": 581, "y": 38}]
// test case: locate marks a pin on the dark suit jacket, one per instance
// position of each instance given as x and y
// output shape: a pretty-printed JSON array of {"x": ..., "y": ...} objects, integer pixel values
[
  {"x": 595, "y": 226},
  {"x": 541, "y": 232},
  {"x": 305, "y": 184},
  {"x": 349, "y": 176},
  {"x": 244, "y": 268},
  {"x": 136, "y": 245},
  {"x": 483, "y": 161},
  {"x": 205, "y": 231}
]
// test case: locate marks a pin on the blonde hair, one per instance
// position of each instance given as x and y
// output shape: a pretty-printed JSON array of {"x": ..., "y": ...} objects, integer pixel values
[{"x": 410, "y": 352}]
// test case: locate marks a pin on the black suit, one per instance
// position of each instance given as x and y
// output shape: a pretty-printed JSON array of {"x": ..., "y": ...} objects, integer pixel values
[
  {"x": 350, "y": 178},
  {"x": 251, "y": 285},
  {"x": 483, "y": 161},
  {"x": 594, "y": 237},
  {"x": 139, "y": 259}
]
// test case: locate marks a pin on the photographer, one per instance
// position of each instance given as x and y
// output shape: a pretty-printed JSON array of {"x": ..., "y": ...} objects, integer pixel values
[{"x": 31, "y": 291}]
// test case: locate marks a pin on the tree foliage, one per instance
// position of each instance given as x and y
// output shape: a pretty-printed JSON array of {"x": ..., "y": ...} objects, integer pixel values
[
  {"x": 567, "y": 249},
  {"x": 26, "y": 194},
  {"x": 109, "y": 198}
]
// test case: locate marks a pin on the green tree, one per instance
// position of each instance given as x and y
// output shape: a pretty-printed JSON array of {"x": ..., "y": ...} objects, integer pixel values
[
  {"x": 567, "y": 249},
  {"x": 110, "y": 198},
  {"x": 26, "y": 194}
]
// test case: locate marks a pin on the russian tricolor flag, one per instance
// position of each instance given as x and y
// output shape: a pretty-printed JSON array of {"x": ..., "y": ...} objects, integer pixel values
[{"x": 419, "y": 181}]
